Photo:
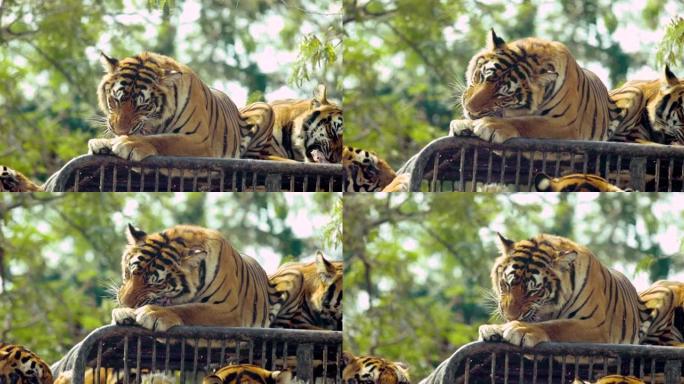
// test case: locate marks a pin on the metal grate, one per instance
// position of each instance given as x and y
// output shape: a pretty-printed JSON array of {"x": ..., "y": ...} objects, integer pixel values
[
  {"x": 470, "y": 164},
  {"x": 190, "y": 353},
  {"x": 500, "y": 363},
  {"x": 112, "y": 174}
]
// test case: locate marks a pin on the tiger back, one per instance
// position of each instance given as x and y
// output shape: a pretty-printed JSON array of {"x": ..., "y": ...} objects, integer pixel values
[
  {"x": 549, "y": 288},
  {"x": 157, "y": 106},
  {"x": 651, "y": 111},
  {"x": 365, "y": 171},
  {"x": 18, "y": 365},
  {"x": 188, "y": 275},
  {"x": 577, "y": 182},
  {"x": 532, "y": 88},
  {"x": 664, "y": 313},
  {"x": 308, "y": 295},
  {"x": 308, "y": 130},
  {"x": 372, "y": 369},
  {"x": 247, "y": 374}
]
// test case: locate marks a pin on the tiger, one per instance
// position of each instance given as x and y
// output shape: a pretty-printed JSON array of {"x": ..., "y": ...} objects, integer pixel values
[
  {"x": 549, "y": 288},
  {"x": 18, "y": 365},
  {"x": 111, "y": 376},
  {"x": 372, "y": 370},
  {"x": 247, "y": 374},
  {"x": 577, "y": 182},
  {"x": 155, "y": 105},
  {"x": 613, "y": 379},
  {"x": 364, "y": 171},
  {"x": 189, "y": 275},
  {"x": 664, "y": 323},
  {"x": 307, "y": 130},
  {"x": 532, "y": 88},
  {"x": 651, "y": 111},
  {"x": 15, "y": 181},
  {"x": 309, "y": 295}
]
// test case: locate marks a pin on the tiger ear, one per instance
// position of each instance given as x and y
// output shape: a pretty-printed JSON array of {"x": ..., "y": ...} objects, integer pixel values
[
  {"x": 547, "y": 75},
  {"x": 494, "y": 41},
  {"x": 282, "y": 377},
  {"x": 170, "y": 76},
  {"x": 325, "y": 269},
  {"x": 347, "y": 358},
  {"x": 108, "y": 63},
  {"x": 670, "y": 77},
  {"x": 402, "y": 366},
  {"x": 542, "y": 182},
  {"x": 319, "y": 96},
  {"x": 565, "y": 260},
  {"x": 135, "y": 235},
  {"x": 504, "y": 244},
  {"x": 213, "y": 379}
]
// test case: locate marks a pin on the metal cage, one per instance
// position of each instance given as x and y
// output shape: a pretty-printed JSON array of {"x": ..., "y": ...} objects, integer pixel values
[
  {"x": 128, "y": 353},
  {"x": 470, "y": 164},
  {"x": 101, "y": 173},
  {"x": 500, "y": 363}
]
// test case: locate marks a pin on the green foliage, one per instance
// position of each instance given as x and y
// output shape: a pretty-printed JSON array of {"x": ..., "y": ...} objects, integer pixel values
[
  {"x": 60, "y": 253},
  {"x": 417, "y": 265},
  {"x": 671, "y": 48}
]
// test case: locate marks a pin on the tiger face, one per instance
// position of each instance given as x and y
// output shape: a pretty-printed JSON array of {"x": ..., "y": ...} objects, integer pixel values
[
  {"x": 247, "y": 374},
  {"x": 667, "y": 111},
  {"x": 365, "y": 171},
  {"x": 502, "y": 81},
  {"x": 530, "y": 279},
  {"x": 166, "y": 268},
  {"x": 323, "y": 126},
  {"x": 20, "y": 366},
  {"x": 133, "y": 92},
  {"x": 373, "y": 370},
  {"x": 579, "y": 182}
]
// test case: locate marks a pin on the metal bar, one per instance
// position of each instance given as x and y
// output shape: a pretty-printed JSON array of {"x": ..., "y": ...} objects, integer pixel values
[{"x": 304, "y": 362}]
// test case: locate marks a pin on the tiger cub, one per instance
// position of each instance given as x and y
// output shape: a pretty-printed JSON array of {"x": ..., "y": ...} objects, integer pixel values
[
  {"x": 247, "y": 374},
  {"x": 364, "y": 171},
  {"x": 157, "y": 106},
  {"x": 14, "y": 181},
  {"x": 371, "y": 369},
  {"x": 578, "y": 182},
  {"x": 18, "y": 365},
  {"x": 664, "y": 313},
  {"x": 651, "y": 111},
  {"x": 612, "y": 379},
  {"x": 549, "y": 288},
  {"x": 188, "y": 275},
  {"x": 532, "y": 88},
  {"x": 307, "y": 130},
  {"x": 308, "y": 295}
]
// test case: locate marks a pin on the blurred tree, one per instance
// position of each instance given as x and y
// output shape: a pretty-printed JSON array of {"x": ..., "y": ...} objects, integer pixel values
[
  {"x": 60, "y": 253},
  {"x": 417, "y": 265}
]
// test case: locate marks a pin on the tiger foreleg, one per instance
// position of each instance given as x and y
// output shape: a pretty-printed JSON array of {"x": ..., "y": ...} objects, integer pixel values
[
  {"x": 514, "y": 332},
  {"x": 499, "y": 130},
  {"x": 161, "y": 318},
  {"x": 530, "y": 334},
  {"x": 461, "y": 128},
  {"x": 137, "y": 148}
]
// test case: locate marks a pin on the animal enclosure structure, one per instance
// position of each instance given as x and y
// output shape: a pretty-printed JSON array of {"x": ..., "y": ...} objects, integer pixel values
[
  {"x": 90, "y": 173},
  {"x": 189, "y": 353},
  {"x": 500, "y": 363},
  {"x": 471, "y": 164}
]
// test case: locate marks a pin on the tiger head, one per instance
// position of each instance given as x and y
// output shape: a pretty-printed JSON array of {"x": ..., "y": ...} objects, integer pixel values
[
  {"x": 323, "y": 126},
  {"x": 612, "y": 379},
  {"x": 21, "y": 366},
  {"x": 169, "y": 267},
  {"x": 577, "y": 182},
  {"x": 365, "y": 171},
  {"x": 135, "y": 93},
  {"x": 511, "y": 79},
  {"x": 326, "y": 298},
  {"x": 666, "y": 113},
  {"x": 13, "y": 181},
  {"x": 373, "y": 370},
  {"x": 247, "y": 374},
  {"x": 531, "y": 279}
]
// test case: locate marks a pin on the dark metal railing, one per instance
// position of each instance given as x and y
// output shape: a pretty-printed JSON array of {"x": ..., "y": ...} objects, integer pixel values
[
  {"x": 189, "y": 353},
  {"x": 470, "y": 164},
  {"x": 500, "y": 363},
  {"x": 100, "y": 173}
]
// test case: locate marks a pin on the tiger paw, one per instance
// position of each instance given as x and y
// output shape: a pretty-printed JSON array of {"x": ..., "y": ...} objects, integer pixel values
[
  {"x": 461, "y": 128},
  {"x": 494, "y": 130},
  {"x": 100, "y": 146},
  {"x": 156, "y": 318},
  {"x": 514, "y": 332},
  {"x": 123, "y": 316},
  {"x": 133, "y": 148}
]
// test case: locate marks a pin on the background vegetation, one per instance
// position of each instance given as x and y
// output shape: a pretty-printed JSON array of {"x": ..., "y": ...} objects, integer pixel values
[
  {"x": 49, "y": 62},
  {"x": 405, "y": 60},
  {"x": 60, "y": 253},
  {"x": 417, "y": 265}
]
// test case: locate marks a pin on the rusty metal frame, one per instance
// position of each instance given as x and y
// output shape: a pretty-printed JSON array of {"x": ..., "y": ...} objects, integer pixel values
[
  {"x": 194, "y": 351},
  {"x": 502, "y": 363},
  {"x": 109, "y": 173},
  {"x": 637, "y": 166}
]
